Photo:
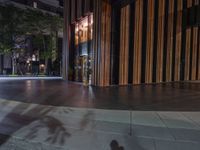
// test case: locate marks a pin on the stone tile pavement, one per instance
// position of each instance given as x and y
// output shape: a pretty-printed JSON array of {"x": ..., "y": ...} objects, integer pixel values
[{"x": 37, "y": 127}]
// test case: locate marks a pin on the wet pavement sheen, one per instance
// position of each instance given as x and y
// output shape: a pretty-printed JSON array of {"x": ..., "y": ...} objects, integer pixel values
[{"x": 183, "y": 96}]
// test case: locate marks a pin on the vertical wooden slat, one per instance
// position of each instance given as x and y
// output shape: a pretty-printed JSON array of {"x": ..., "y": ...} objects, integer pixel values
[
  {"x": 121, "y": 48},
  {"x": 86, "y": 4},
  {"x": 66, "y": 38},
  {"x": 1, "y": 64},
  {"x": 79, "y": 8},
  {"x": 137, "y": 54},
  {"x": 198, "y": 73},
  {"x": 102, "y": 39},
  {"x": 102, "y": 58},
  {"x": 194, "y": 54},
  {"x": 188, "y": 47},
  {"x": 178, "y": 41},
  {"x": 127, "y": 43},
  {"x": 170, "y": 41},
  {"x": 73, "y": 11},
  {"x": 160, "y": 44},
  {"x": 124, "y": 45},
  {"x": 107, "y": 46},
  {"x": 194, "y": 50},
  {"x": 96, "y": 43},
  {"x": 150, "y": 41}
]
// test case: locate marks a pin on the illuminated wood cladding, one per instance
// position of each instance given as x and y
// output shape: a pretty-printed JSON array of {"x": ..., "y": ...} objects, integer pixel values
[
  {"x": 102, "y": 40},
  {"x": 96, "y": 47},
  {"x": 124, "y": 45},
  {"x": 149, "y": 41},
  {"x": 194, "y": 50},
  {"x": 198, "y": 72},
  {"x": 104, "y": 68},
  {"x": 188, "y": 47},
  {"x": 160, "y": 43},
  {"x": 177, "y": 64},
  {"x": 137, "y": 50},
  {"x": 170, "y": 37}
]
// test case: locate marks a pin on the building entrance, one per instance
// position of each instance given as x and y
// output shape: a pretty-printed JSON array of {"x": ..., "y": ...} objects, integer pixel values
[
  {"x": 82, "y": 50},
  {"x": 82, "y": 70}
]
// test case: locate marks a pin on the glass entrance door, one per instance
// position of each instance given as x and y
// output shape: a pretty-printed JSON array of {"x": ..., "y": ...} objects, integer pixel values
[{"x": 83, "y": 49}]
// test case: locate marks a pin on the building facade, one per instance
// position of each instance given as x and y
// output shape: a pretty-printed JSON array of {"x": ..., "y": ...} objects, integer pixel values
[{"x": 131, "y": 41}]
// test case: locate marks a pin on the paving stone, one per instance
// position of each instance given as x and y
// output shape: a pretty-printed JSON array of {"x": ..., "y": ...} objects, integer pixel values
[
  {"x": 191, "y": 135},
  {"x": 177, "y": 120},
  {"x": 152, "y": 132},
  {"x": 20, "y": 144},
  {"x": 174, "y": 145},
  {"x": 27, "y": 126},
  {"x": 147, "y": 118},
  {"x": 182, "y": 96},
  {"x": 194, "y": 116}
]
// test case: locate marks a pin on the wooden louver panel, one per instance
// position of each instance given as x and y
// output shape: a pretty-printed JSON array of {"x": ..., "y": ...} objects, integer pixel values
[
  {"x": 137, "y": 53},
  {"x": 170, "y": 41},
  {"x": 124, "y": 45},
  {"x": 188, "y": 46},
  {"x": 160, "y": 44},
  {"x": 150, "y": 41},
  {"x": 178, "y": 41}
]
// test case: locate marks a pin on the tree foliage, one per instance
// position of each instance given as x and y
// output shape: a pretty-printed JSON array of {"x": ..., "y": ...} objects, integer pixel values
[
  {"x": 10, "y": 26},
  {"x": 15, "y": 22}
]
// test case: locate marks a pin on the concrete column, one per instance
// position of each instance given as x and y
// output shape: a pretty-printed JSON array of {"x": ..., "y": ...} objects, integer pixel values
[
  {"x": 66, "y": 34},
  {"x": 1, "y": 64}
]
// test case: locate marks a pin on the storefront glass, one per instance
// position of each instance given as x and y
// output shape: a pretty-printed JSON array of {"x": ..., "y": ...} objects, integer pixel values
[{"x": 83, "y": 49}]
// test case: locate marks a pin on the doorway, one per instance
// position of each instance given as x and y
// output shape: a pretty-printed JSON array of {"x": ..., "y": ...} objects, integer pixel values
[{"x": 82, "y": 45}]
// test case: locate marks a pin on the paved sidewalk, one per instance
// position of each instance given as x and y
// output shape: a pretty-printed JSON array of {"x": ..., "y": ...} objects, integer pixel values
[
  {"x": 5, "y": 78},
  {"x": 38, "y": 127},
  {"x": 179, "y": 96}
]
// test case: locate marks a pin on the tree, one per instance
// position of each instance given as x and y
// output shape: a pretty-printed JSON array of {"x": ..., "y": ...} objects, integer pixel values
[
  {"x": 45, "y": 27},
  {"x": 11, "y": 25},
  {"x": 15, "y": 22}
]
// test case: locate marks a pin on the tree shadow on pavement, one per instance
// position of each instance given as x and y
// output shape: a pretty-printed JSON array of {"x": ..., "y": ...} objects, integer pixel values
[
  {"x": 22, "y": 115},
  {"x": 57, "y": 133},
  {"x": 87, "y": 119}
]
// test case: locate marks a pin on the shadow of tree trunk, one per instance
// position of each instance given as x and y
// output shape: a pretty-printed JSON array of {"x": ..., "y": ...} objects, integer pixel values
[{"x": 22, "y": 116}]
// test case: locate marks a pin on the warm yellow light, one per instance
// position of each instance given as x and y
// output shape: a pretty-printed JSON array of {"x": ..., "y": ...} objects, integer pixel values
[
  {"x": 42, "y": 65},
  {"x": 76, "y": 29},
  {"x": 85, "y": 24}
]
